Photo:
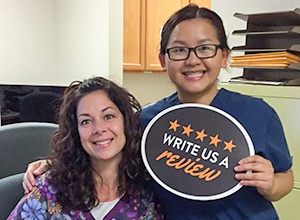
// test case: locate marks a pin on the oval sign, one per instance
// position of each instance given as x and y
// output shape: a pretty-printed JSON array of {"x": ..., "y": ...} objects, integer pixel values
[{"x": 191, "y": 150}]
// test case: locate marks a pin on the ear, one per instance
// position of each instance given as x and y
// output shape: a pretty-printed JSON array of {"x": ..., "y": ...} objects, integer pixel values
[
  {"x": 225, "y": 54},
  {"x": 162, "y": 61}
]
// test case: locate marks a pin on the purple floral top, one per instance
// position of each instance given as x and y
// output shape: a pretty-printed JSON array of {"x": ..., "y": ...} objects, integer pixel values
[{"x": 42, "y": 204}]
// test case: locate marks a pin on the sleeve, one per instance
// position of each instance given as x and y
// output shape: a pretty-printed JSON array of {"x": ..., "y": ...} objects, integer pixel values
[
  {"x": 42, "y": 203},
  {"x": 30, "y": 207},
  {"x": 277, "y": 150},
  {"x": 35, "y": 205}
]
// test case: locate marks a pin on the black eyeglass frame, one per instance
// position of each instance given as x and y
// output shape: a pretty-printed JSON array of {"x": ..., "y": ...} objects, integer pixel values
[{"x": 217, "y": 46}]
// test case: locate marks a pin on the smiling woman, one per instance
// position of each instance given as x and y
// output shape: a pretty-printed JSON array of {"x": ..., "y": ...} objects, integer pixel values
[
  {"x": 193, "y": 31},
  {"x": 196, "y": 81},
  {"x": 101, "y": 128},
  {"x": 95, "y": 168}
]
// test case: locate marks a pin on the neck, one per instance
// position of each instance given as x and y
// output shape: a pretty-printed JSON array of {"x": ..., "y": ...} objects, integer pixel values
[
  {"x": 106, "y": 181},
  {"x": 204, "y": 97},
  {"x": 106, "y": 187}
]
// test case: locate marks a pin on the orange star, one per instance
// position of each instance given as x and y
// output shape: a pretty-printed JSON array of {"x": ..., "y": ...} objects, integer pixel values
[
  {"x": 187, "y": 130},
  {"x": 174, "y": 125},
  {"x": 200, "y": 135},
  {"x": 228, "y": 146},
  {"x": 215, "y": 140}
]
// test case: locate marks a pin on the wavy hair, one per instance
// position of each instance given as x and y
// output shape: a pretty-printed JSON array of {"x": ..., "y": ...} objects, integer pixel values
[{"x": 70, "y": 168}]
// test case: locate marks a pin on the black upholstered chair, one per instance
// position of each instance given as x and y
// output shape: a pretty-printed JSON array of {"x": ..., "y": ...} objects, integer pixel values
[
  {"x": 39, "y": 107},
  {"x": 22, "y": 143},
  {"x": 11, "y": 191}
]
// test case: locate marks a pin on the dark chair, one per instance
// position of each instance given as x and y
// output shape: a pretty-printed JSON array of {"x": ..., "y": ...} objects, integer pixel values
[
  {"x": 11, "y": 191},
  {"x": 39, "y": 107},
  {"x": 22, "y": 143}
]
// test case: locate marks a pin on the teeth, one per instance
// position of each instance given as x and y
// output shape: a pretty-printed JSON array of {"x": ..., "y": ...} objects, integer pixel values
[
  {"x": 196, "y": 74},
  {"x": 103, "y": 142}
]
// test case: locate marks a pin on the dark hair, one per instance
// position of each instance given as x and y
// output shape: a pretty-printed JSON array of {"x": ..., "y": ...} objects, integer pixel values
[
  {"x": 70, "y": 169},
  {"x": 192, "y": 11}
]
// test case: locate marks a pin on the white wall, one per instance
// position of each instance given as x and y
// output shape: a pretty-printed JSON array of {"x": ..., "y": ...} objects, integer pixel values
[
  {"x": 27, "y": 46},
  {"x": 53, "y": 42},
  {"x": 115, "y": 43},
  {"x": 226, "y": 10}
]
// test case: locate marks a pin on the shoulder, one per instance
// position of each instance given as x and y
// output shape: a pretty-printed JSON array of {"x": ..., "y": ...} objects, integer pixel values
[
  {"x": 237, "y": 103},
  {"x": 36, "y": 201},
  {"x": 45, "y": 197},
  {"x": 237, "y": 97},
  {"x": 43, "y": 202},
  {"x": 150, "y": 110},
  {"x": 161, "y": 104},
  {"x": 43, "y": 184},
  {"x": 253, "y": 113}
]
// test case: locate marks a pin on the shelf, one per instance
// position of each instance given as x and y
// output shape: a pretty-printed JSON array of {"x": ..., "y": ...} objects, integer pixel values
[
  {"x": 294, "y": 66},
  {"x": 268, "y": 33},
  {"x": 293, "y": 31},
  {"x": 272, "y": 18},
  {"x": 255, "y": 82},
  {"x": 247, "y": 48}
]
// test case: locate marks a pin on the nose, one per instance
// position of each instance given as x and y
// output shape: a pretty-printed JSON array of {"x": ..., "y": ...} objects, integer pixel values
[
  {"x": 193, "y": 59},
  {"x": 99, "y": 127}
]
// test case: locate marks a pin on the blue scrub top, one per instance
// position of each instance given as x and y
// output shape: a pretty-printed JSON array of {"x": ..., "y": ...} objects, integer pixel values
[{"x": 265, "y": 129}]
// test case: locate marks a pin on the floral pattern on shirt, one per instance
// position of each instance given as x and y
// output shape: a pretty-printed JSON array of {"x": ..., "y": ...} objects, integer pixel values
[{"x": 42, "y": 204}]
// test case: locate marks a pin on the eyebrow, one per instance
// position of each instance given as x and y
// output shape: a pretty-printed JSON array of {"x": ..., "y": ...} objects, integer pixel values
[
  {"x": 103, "y": 110},
  {"x": 107, "y": 108},
  {"x": 83, "y": 115},
  {"x": 202, "y": 41}
]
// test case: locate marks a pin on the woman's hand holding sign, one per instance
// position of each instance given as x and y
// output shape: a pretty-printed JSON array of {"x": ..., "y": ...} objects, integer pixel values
[{"x": 263, "y": 177}]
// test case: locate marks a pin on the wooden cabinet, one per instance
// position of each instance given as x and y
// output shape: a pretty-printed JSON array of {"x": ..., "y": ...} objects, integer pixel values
[
  {"x": 134, "y": 35},
  {"x": 143, "y": 20},
  {"x": 286, "y": 102}
]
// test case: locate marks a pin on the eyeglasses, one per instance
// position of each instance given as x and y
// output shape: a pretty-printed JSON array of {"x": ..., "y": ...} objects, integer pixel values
[{"x": 202, "y": 52}]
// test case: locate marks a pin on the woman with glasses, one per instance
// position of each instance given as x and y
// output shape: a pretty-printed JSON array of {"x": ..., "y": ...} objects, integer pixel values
[{"x": 193, "y": 50}]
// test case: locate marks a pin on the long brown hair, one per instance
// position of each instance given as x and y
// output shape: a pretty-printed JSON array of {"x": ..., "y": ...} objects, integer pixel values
[{"x": 70, "y": 169}]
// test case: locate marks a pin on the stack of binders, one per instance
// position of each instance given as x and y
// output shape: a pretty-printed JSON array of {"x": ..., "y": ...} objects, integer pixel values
[{"x": 265, "y": 60}]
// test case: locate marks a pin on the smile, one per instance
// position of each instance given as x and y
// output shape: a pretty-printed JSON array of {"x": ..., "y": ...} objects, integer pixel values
[
  {"x": 194, "y": 74},
  {"x": 103, "y": 142}
]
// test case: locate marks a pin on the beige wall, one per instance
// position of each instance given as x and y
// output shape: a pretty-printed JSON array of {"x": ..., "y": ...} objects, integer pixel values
[{"x": 148, "y": 88}]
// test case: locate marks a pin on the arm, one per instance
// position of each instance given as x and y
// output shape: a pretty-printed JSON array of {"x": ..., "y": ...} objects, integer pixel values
[
  {"x": 34, "y": 169},
  {"x": 272, "y": 177},
  {"x": 272, "y": 186}
]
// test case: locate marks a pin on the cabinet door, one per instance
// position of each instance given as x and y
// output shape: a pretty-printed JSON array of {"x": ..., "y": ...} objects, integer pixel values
[
  {"x": 157, "y": 12},
  {"x": 143, "y": 20},
  {"x": 202, "y": 3},
  {"x": 134, "y": 35}
]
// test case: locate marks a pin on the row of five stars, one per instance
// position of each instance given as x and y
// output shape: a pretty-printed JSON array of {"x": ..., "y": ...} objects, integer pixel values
[{"x": 201, "y": 135}]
